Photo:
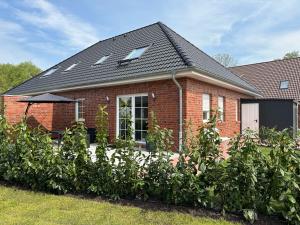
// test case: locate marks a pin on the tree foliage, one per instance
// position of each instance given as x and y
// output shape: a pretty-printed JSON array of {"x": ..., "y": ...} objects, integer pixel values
[
  {"x": 291, "y": 55},
  {"x": 225, "y": 59},
  {"x": 11, "y": 75}
]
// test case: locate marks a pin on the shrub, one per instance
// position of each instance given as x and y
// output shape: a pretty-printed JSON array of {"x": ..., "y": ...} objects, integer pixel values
[{"x": 158, "y": 164}]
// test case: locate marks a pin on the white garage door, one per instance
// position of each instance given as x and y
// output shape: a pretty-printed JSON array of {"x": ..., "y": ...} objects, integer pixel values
[{"x": 250, "y": 116}]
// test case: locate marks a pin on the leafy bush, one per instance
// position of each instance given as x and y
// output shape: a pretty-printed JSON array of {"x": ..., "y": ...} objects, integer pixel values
[{"x": 249, "y": 182}]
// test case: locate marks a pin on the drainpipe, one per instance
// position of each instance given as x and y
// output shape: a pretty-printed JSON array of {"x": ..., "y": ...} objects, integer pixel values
[{"x": 180, "y": 110}]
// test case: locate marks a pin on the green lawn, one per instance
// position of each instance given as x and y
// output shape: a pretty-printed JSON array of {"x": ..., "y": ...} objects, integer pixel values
[{"x": 26, "y": 207}]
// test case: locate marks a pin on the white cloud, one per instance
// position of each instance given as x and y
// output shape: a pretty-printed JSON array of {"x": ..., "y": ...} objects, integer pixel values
[
  {"x": 250, "y": 30},
  {"x": 12, "y": 49},
  {"x": 44, "y": 15}
]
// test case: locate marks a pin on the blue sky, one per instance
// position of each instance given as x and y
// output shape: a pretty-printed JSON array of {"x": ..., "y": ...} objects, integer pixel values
[{"x": 45, "y": 32}]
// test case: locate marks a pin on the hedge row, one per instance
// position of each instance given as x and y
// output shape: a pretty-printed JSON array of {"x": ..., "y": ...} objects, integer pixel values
[{"x": 248, "y": 182}]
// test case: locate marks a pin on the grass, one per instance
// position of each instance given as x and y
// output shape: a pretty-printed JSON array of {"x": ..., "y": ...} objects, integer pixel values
[{"x": 31, "y": 208}]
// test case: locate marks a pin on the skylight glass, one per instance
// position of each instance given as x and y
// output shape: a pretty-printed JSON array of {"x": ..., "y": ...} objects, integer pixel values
[
  {"x": 71, "y": 67},
  {"x": 49, "y": 72},
  {"x": 284, "y": 84},
  {"x": 102, "y": 59},
  {"x": 136, "y": 53}
]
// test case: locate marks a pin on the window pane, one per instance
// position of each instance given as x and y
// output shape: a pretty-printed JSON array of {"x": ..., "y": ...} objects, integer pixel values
[
  {"x": 206, "y": 115},
  {"x": 136, "y": 53},
  {"x": 144, "y": 124},
  {"x": 138, "y": 113},
  {"x": 284, "y": 84},
  {"x": 138, "y": 124},
  {"x": 125, "y": 102},
  {"x": 144, "y": 135},
  {"x": 145, "y": 113},
  {"x": 145, "y": 101},
  {"x": 206, "y": 102},
  {"x": 122, "y": 134},
  {"x": 138, "y": 101},
  {"x": 138, "y": 136}
]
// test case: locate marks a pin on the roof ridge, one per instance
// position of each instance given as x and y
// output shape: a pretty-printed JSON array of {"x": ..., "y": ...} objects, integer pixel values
[
  {"x": 192, "y": 64},
  {"x": 178, "y": 49},
  {"x": 265, "y": 62}
]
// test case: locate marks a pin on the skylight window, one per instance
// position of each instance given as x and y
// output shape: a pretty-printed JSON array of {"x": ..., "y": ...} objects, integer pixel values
[
  {"x": 102, "y": 59},
  {"x": 136, "y": 53},
  {"x": 71, "y": 67},
  {"x": 49, "y": 72},
  {"x": 284, "y": 84}
]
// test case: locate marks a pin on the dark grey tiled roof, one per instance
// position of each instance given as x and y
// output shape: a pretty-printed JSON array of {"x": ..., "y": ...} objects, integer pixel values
[
  {"x": 168, "y": 51},
  {"x": 266, "y": 76}
]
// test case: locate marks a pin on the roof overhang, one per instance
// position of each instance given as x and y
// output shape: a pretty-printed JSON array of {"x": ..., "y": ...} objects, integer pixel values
[{"x": 188, "y": 73}]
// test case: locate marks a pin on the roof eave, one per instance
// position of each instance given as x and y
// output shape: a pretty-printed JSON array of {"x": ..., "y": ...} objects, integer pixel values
[{"x": 191, "y": 72}]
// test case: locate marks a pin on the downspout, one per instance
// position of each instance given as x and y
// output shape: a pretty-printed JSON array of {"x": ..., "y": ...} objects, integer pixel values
[{"x": 180, "y": 110}]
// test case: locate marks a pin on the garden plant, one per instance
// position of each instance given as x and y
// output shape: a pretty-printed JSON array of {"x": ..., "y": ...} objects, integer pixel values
[{"x": 249, "y": 182}]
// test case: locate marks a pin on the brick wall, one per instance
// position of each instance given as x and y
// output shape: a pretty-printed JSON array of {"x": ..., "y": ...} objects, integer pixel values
[
  {"x": 38, "y": 114},
  {"x": 193, "y": 105},
  {"x": 165, "y": 105}
]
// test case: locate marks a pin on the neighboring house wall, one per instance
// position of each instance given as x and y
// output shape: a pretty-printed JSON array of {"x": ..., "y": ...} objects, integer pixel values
[{"x": 165, "y": 105}]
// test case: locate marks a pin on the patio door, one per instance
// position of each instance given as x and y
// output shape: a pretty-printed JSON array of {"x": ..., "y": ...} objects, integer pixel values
[
  {"x": 250, "y": 116},
  {"x": 132, "y": 117}
]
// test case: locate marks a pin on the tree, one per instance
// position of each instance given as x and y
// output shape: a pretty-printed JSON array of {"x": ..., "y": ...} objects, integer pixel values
[
  {"x": 291, "y": 55},
  {"x": 225, "y": 59},
  {"x": 12, "y": 75}
]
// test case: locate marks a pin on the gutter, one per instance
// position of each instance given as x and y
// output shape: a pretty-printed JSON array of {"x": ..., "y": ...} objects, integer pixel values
[{"x": 180, "y": 110}]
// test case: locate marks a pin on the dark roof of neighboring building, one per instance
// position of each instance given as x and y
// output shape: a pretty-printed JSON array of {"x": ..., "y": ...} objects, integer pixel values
[
  {"x": 168, "y": 51},
  {"x": 266, "y": 76}
]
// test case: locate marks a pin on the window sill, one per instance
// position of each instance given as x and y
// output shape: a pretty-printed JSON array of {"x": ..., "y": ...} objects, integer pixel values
[{"x": 80, "y": 120}]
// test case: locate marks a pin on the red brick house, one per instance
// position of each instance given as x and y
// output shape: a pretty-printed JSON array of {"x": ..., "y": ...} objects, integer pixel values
[{"x": 149, "y": 69}]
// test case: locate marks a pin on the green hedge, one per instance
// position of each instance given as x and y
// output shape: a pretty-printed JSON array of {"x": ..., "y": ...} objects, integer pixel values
[{"x": 248, "y": 182}]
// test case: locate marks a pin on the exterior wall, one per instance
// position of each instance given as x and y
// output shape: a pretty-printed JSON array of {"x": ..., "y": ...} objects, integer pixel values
[
  {"x": 193, "y": 98},
  {"x": 38, "y": 114},
  {"x": 165, "y": 106}
]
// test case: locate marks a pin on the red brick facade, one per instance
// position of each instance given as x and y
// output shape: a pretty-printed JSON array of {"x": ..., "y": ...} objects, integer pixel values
[{"x": 165, "y": 105}]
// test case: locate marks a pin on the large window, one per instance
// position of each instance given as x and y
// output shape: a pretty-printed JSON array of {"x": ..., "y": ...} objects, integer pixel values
[
  {"x": 221, "y": 108},
  {"x": 206, "y": 107},
  {"x": 132, "y": 114}
]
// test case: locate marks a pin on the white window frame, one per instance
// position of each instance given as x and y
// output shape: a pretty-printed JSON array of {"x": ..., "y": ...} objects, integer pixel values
[
  {"x": 221, "y": 104},
  {"x": 77, "y": 108},
  {"x": 204, "y": 108},
  {"x": 132, "y": 96}
]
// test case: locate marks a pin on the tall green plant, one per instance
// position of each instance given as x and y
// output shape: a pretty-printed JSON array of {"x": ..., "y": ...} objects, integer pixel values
[
  {"x": 102, "y": 168},
  {"x": 159, "y": 166}
]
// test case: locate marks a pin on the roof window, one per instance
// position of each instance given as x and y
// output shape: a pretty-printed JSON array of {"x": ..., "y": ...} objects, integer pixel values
[
  {"x": 284, "y": 84},
  {"x": 49, "y": 72},
  {"x": 136, "y": 53},
  {"x": 102, "y": 59},
  {"x": 71, "y": 67}
]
